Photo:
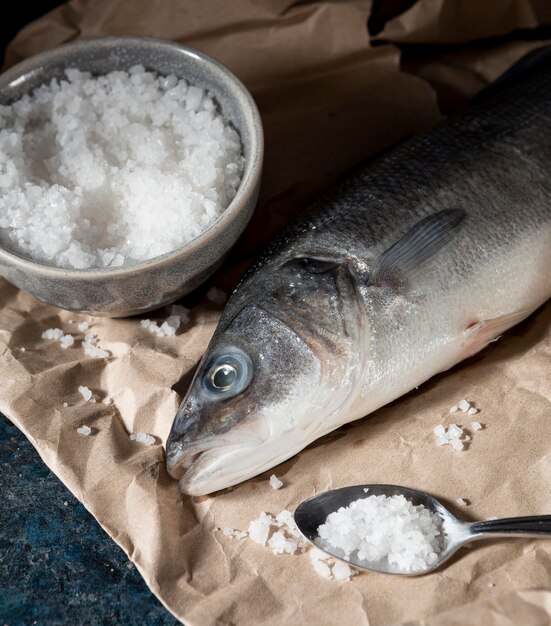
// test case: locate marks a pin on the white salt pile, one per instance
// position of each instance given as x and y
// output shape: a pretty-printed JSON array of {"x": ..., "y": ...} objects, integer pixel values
[
  {"x": 454, "y": 436},
  {"x": 275, "y": 483},
  {"x": 178, "y": 315},
  {"x": 144, "y": 438},
  {"x": 113, "y": 170},
  {"x": 385, "y": 531},
  {"x": 84, "y": 430}
]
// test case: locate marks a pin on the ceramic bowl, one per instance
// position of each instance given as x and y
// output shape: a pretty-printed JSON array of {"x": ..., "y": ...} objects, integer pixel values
[{"x": 147, "y": 285}]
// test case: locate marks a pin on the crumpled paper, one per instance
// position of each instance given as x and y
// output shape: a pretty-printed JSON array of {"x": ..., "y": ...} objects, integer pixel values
[{"x": 328, "y": 99}]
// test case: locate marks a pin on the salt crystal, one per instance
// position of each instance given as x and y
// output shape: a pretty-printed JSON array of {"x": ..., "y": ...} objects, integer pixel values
[
  {"x": 472, "y": 411},
  {"x": 65, "y": 503},
  {"x": 65, "y": 405},
  {"x": 259, "y": 529},
  {"x": 107, "y": 400},
  {"x": 454, "y": 431},
  {"x": 144, "y": 438},
  {"x": 341, "y": 571},
  {"x": 280, "y": 543},
  {"x": 464, "y": 406},
  {"x": 85, "y": 393},
  {"x": 167, "y": 329},
  {"x": 67, "y": 341},
  {"x": 322, "y": 569},
  {"x": 91, "y": 348},
  {"x": 461, "y": 502},
  {"x": 22, "y": 349},
  {"x": 454, "y": 408},
  {"x": 164, "y": 160},
  {"x": 216, "y": 296},
  {"x": 316, "y": 554},
  {"x": 83, "y": 326},
  {"x": 52, "y": 333},
  {"x": 84, "y": 430},
  {"x": 476, "y": 426},
  {"x": 275, "y": 483},
  {"x": 439, "y": 430},
  {"x": 365, "y": 489}
]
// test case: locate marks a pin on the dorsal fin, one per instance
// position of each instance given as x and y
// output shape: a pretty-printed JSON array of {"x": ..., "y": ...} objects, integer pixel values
[{"x": 530, "y": 62}]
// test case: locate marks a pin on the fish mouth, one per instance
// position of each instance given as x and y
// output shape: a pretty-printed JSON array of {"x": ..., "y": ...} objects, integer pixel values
[
  {"x": 221, "y": 461},
  {"x": 194, "y": 463}
]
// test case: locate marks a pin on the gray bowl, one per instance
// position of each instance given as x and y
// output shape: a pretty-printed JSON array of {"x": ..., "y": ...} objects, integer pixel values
[{"x": 138, "y": 288}]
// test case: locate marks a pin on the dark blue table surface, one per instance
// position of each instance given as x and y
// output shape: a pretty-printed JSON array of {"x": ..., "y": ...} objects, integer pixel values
[{"x": 57, "y": 565}]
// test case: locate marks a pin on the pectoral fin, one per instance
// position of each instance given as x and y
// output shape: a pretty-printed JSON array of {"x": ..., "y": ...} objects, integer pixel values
[{"x": 402, "y": 263}]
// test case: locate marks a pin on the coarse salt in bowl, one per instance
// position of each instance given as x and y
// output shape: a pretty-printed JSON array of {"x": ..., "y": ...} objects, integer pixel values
[{"x": 150, "y": 209}]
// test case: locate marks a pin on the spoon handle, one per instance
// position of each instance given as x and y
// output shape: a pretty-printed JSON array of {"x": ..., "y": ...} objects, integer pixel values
[{"x": 532, "y": 526}]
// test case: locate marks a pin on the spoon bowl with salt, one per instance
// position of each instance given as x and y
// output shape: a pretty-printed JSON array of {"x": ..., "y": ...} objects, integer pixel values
[{"x": 396, "y": 530}]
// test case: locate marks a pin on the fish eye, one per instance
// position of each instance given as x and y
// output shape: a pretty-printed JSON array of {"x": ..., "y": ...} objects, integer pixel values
[
  {"x": 228, "y": 374},
  {"x": 223, "y": 377}
]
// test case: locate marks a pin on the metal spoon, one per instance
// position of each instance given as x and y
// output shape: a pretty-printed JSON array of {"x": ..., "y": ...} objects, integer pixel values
[{"x": 313, "y": 512}]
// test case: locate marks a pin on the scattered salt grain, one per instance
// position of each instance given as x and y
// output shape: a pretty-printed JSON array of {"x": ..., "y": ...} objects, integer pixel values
[
  {"x": 53, "y": 333},
  {"x": 275, "y": 483},
  {"x": 65, "y": 503},
  {"x": 259, "y": 529},
  {"x": 167, "y": 329},
  {"x": 318, "y": 555},
  {"x": 107, "y": 400},
  {"x": 365, "y": 489},
  {"x": 462, "y": 502},
  {"x": 144, "y": 438},
  {"x": 216, "y": 296},
  {"x": 387, "y": 530},
  {"x": 83, "y": 326},
  {"x": 84, "y": 430},
  {"x": 56, "y": 334},
  {"x": 454, "y": 408},
  {"x": 67, "y": 341},
  {"x": 341, "y": 571},
  {"x": 65, "y": 405},
  {"x": 464, "y": 406},
  {"x": 472, "y": 411},
  {"x": 22, "y": 349},
  {"x": 322, "y": 569},
  {"x": 85, "y": 393},
  {"x": 476, "y": 426},
  {"x": 90, "y": 347},
  {"x": 280, "y": 543},
  {"x": 454, "y": 436},
  {"x": 158, "y": 152}
]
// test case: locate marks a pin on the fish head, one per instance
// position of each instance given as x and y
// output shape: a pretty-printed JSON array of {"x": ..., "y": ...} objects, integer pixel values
[{"x": 254, "y": 396}]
